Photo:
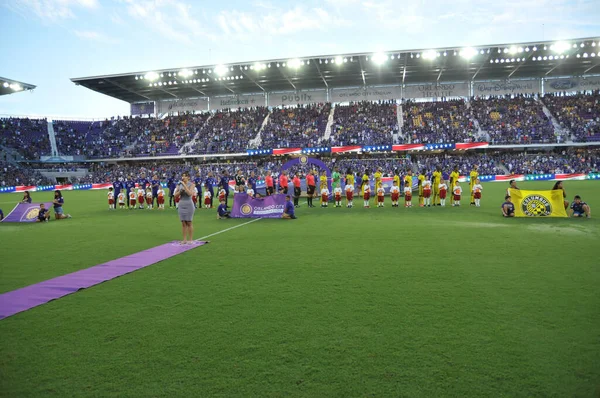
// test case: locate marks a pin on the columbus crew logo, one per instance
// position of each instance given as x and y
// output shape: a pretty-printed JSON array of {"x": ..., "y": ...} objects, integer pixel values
[
  {"x": 303, "y": 159},
  {"x": 536, "y": 206},
  {"x": 246, "y": 209}
]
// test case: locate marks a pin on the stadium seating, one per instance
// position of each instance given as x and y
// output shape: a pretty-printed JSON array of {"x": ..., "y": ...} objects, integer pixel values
[
  {"x": 300, "y": 126},
  {"x": 579, "y": 113},
  {"x": 229, "y": 131},
  {"x": 518, "y": 120},
  {"x": 369, "y": 123},
  {"x": 28, "y": 136},
  {"x": 12, "y": 174},
  {"x": 441, "y": 121}
]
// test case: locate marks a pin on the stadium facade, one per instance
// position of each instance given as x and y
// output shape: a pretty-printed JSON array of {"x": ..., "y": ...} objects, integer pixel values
[{"x": 421, "y": 74}]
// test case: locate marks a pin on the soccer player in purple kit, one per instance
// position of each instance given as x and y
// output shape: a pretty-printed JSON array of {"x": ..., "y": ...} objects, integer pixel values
[
  {"x": 129, "y": 186},
  {"x": 171, "y": 184},
  {"x": 155, "y": 183},
  {"x": 117, "y": 186},
  {"x": 224, "y": 184},
  {"x": 198, "y": 183},
  {"x": 209, "y": 183},
  {"x": 252, "y": 182}
]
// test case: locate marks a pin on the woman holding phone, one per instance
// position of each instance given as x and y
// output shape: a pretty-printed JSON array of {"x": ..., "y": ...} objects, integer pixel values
[{"x": 185, "y": 191}]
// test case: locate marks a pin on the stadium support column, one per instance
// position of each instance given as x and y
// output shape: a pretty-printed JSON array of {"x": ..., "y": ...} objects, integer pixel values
[{"x": 52, "y": 138}]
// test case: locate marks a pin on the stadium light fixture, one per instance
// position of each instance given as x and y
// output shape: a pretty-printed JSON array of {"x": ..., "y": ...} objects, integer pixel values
[
  {"x": 418, "y": 55},
  {"x": 445, "y": 53},
  {"x": 185, "y": 73},
  {"x": 221, "y": 70},
  {"x": 339, "y": 60},
  {"x": 582, "y": 45},
  {"x": 333, "y": 61},
  {"x": 5, "y": 85},
  {"x": 257, "y": 66},
  {"x": 585, "y": 55},
  {"x": 151, "y": 76},
  {"x": 593, "y": 55},
  {"x": 294, "y": 63},
  {"x": 534, "y": 48},
  {"x": 380, "y": 58},
  {"x": 429, "y": 54},
  {"x": 560, "y": 47},
  {"x": 468, "y": 52}
]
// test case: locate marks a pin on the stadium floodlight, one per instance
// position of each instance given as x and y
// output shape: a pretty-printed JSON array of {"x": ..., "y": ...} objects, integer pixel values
[
  {"x": 593, "y": 55},
  {"x": 578, "y": 55},
  {"x": 585, "y": 55},
  {"x": 294, "y": 63},
  {"x": 380, "y": 58},
  {"x": 345, "y": 59},
  {"x": 582, "y": 45},
  {"x": 527, "y": 49},
  {"x": 185, "y": 73},
  {"x": 255, "y": 66},
  {"x": 333, "y": 61},
  {"x": 534, "y": 48},
  {"x": 429, "y": 54},
  {"x": 468, "y": 52},
  {"x": 221, "y": 70},
  {"x": 593, "y": 44},
  {"x": 445, "y": 53},
  {"x": 149, "y": 84},
  {"x": 5, "y": 85},
  {"x": 151, "y": 76},
  {"x": 339, "y": 59},
  {"x": 560, "y": 47},
  {"x": 418, "y": 55},
  {"x": 136, "y": 78}
]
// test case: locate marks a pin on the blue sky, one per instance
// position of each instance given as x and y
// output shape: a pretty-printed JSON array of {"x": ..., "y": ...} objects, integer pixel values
[{"x": 46, "y": 42}]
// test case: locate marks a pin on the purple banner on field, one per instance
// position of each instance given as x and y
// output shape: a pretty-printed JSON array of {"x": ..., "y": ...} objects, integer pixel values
[
  {"x": 245, "y": 206},
  {"x": 25, "y": 212}
]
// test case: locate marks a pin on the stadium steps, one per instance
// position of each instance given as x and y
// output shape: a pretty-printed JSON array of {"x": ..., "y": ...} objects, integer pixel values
[
  {"x": 330, "y": 120},
  {"x": 192, "y": 142},
  {"x": 400, "y": 116},
  {"x": 557, "y": 127},
  {"x": 52, "y": 137},
  {"x": 257, "y": 141}
]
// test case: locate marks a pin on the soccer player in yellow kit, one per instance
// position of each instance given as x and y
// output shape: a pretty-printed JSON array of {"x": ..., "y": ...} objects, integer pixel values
[
  {"x": 349, "y": 177},
  {"x": 420, "y": 179},
  {"x": 436, "y": 177},
  {"x": 377, "y": 176},
  {"x": 323, "y": 183},
  {"x": 473, "y": 177},
  {"x": 366, "y": 180},
  {"x": 454, "y": 177},
  {"x": 408, "y": 179},
  {"x": 396, "y": 178}
]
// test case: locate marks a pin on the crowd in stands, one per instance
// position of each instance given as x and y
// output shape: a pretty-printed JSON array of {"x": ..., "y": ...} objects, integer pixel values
[
  {"x": 12, "y": 174},
  {"x": 518, "y": 120},
  {"x": 440, "y": 121},
  {"x": 302, "y": 126},
  {"x": 28, "y": 136},
  {"x": 579, "y": 113},
  {"x": 372, "y": 123},
  {"x": 229, "y": 131},
  {"x": 491, "y": 163}
]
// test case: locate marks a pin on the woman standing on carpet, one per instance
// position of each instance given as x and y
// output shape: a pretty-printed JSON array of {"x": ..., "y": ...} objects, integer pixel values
[{"x": 185, "y": 191}]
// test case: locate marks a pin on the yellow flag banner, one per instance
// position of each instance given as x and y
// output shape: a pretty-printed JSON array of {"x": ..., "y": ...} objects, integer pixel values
[{"x": 538, "y": 203}]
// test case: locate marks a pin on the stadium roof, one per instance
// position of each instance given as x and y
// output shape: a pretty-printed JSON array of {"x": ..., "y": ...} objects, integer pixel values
[
  {"x": 491, "y": 62},
  {"x": 10, "y": 86}
]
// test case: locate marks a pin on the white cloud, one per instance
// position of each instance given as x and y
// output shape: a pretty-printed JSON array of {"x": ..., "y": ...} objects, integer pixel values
[
  {"x": 244, "y": 25},
  {"x": 173, "y": 19},
  {"x": 94, "y": 36},
  {"x": 51, "y": 10}
]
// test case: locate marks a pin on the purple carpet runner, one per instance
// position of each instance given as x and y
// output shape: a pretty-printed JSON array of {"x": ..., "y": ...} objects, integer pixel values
[{"x": 40, "y": 293}]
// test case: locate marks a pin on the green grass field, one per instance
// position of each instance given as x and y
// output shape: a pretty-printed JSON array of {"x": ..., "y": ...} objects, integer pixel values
[{"x": 434, "y": 302}]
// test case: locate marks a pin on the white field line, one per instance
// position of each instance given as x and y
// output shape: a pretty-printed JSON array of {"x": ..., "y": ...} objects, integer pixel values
[{"x": 227, "y": 229}]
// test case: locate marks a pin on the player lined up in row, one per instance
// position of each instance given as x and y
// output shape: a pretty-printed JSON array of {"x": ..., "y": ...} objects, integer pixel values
[{"x": 425, "y": 192}]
